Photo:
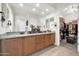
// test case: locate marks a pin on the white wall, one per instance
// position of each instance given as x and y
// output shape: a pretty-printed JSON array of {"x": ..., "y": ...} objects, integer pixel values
[
  {"x": 2, "y": 30},
  {"x": 78, "y": 37},
  {"x": 0, "y": 10},
  {"x": 20, "y": 22},
  {"x": 71, "y": 17},
  {"x": 5, "y": 28},
  {"x": 11, "y": 17},
  {"x": 78, "y": 33},
  {"x": 0, "y": 13}
]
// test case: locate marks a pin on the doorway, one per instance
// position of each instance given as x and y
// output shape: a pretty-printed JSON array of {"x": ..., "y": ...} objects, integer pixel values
[{"x": 68, "y": 34}]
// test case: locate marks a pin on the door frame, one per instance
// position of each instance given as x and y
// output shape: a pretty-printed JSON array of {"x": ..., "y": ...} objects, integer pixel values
[{"x": 78, "y": 38}]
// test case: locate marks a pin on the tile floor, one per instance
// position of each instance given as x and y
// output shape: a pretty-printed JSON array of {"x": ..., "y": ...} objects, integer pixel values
[{"x": 65, "y": 49}]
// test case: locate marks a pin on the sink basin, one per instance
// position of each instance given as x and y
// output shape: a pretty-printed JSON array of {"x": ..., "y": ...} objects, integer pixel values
[{"x": 12, "y": 33}]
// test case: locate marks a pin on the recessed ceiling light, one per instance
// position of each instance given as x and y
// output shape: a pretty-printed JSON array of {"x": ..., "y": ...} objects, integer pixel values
[
  {"x": 42, "y": 12},
  {"x": 37, "y": 5},
  {"x": 47, "y": 9},
  {"x": 34, "y": 9},
  {"x": 71, "y": 6},
  {"x": 21, "y": 4},
  {"x": 66, "y": 8},
  {"x": 76, "y": 9}
]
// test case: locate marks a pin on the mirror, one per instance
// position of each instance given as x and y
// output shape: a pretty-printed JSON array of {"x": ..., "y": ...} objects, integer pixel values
[
  {"x": 47, "y": 23},
  {"x": 52, "y": 22}
]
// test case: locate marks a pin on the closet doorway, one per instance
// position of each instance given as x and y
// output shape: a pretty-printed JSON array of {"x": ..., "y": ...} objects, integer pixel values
[{"x": 68, "y": 34}]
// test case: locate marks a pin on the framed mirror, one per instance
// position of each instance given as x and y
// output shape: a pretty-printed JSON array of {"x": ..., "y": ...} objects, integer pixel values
[
  {"x": 52, "y": 22},
  {"x": 47, "y": 23}
]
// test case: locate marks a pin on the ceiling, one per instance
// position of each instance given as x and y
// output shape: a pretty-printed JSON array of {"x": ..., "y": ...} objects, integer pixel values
[{"x": 26, "y": 9}]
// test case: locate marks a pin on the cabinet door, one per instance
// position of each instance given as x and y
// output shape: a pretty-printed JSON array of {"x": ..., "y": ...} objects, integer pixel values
[
  {"x": 9, "y": 47},
  {"x": 29, "y": 45},
  {"x": 42, "y": 41},
  {"x": 52, "y": 39},
  {"x": 20, "y": 46},
  {"x": 38, "y": 43},
  {"x": 12, "y": 47},
  {"x": 46, "y": 40}
]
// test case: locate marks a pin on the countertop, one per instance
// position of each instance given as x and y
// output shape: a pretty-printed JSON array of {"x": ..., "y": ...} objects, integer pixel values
[{"x": 5, "y": 36}]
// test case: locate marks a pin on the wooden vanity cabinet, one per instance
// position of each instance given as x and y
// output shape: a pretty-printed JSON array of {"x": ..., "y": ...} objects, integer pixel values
[
  {"x": 35, "y": 43},
  {"x": 51, "y": 39},
  {"x": 12, "y": 47},
  {"x": 46, "y": 40},
  {"x": 42, "y": 41},
  {"x": 26, "y": 45},
  {"x": 39, "y": 42},
  {"x": 29, "y": 45},
  {"x": 20, "y": 46},
  {"x": 9, "y": 47}
]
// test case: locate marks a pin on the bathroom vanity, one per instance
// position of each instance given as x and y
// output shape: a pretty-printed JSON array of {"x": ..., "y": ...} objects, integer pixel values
[{"x": 25, "y": 44}]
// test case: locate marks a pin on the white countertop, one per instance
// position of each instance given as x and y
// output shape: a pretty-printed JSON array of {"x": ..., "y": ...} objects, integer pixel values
[{"x": 22, "y": 35}]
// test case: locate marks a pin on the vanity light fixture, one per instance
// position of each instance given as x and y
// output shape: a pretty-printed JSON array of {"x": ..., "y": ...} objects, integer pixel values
[
  {"x": 37, "y": 5},
  {"x": 34, "y": 9},
  {"x": 21, "y": 4}
]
